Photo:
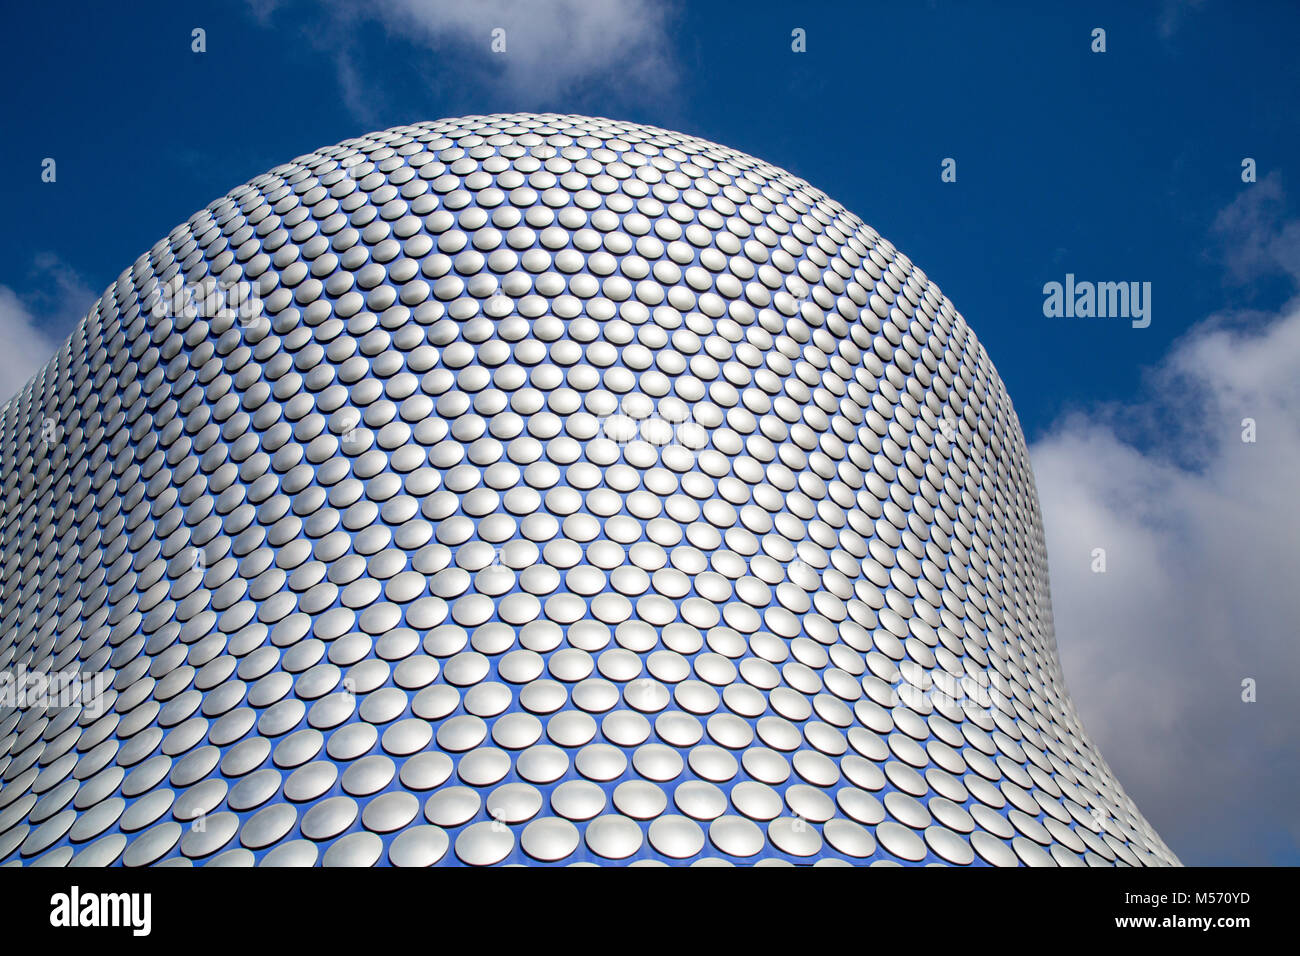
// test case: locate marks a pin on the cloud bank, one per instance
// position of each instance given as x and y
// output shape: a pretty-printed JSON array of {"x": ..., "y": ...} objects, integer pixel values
[
  {"x": 34, "y": 325},
  {"x": 531, "y": 51},
  {"x": 1199, "y": 604}
]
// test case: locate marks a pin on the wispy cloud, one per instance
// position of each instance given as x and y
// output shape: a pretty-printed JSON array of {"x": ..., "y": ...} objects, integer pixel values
[
  {"x": 532, "y": 51},
  {"x": 1256, "y": 240},
  {"x": 1172, "y": 14},
  {"x": 1200, "y": 530},
  {"x": 34, "y": 324}
]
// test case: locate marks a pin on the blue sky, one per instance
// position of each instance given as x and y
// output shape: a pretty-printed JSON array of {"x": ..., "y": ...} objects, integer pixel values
[{"x": 1115, "y": 166}]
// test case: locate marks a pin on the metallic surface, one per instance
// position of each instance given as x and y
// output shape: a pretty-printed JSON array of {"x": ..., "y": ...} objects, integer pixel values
[{"x": 533, "y": 489}]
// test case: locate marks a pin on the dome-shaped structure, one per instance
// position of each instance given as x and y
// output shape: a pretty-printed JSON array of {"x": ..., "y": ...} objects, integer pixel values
[{"x": 533, "y": 489}]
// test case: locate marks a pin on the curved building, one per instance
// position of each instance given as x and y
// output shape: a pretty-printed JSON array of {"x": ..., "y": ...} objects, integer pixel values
[{"x": 531, "y": 489}]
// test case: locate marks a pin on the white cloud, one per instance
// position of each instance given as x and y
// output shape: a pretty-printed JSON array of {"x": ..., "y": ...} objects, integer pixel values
[
  {"x": 1257, "y": 240},
  {"x": 551, "y": 45},
  {"x": 33, "y": 326},
  {"x": 1171, "y": 15},
  {"x": 1202, "y": 587},
  {"x": 553, "y": 48},
  {"x": 24, "y": 348}
]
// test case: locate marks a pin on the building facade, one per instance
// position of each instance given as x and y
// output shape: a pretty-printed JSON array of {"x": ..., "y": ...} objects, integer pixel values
[{"x": 532, "y": 489}]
